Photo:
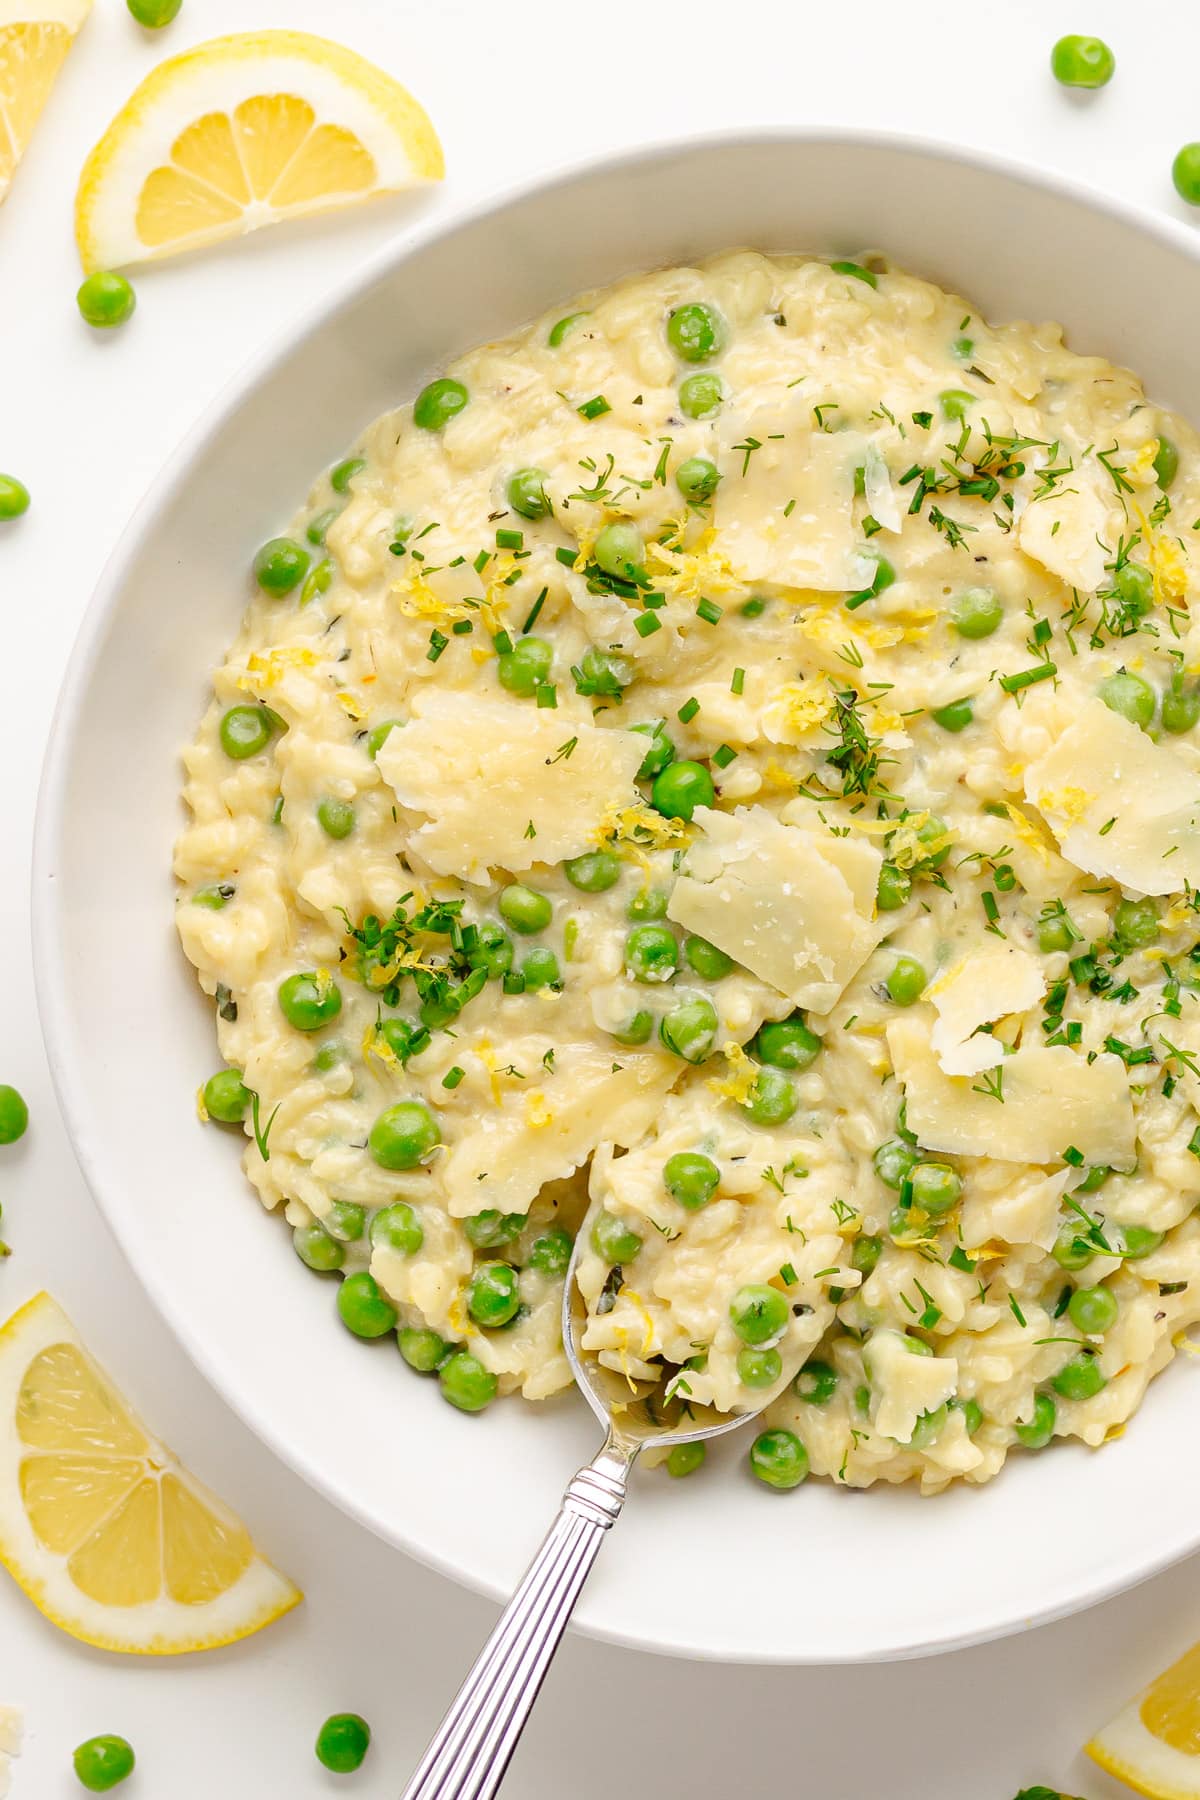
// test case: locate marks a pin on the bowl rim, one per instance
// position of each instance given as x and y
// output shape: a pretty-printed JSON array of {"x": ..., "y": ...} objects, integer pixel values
[{"x": 50, "y": 983}]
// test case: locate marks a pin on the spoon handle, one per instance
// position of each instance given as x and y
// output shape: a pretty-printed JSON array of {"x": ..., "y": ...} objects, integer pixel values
[{"x": 471, "y": 1750}]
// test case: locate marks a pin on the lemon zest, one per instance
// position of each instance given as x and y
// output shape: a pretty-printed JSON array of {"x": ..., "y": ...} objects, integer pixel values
[
  {"x": 1069, "y": 803},
  {"x": 537, "y": 1112},
  {"x": 350, "y": 705},
  {"x": 740, "y": 1083},
  {"x": 695, "y": 572},
  {"x": 202, "y": 1112},
  {"x": 271, "y": 668}
]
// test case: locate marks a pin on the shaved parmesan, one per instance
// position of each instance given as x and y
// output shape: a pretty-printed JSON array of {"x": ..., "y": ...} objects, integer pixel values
[
  {"x": 1050, "y": 1098},
  {"x": 1119, "y": 804},
  {"x": 789, "y": 518},
  {"x": 792, "y": 905},
  {"x": 882, "y": 503},
  {"x": 12, "y": 1725},
  {"x": 982, "y": 987},
  {"x": 905, "y": 1384},
  {"x": 509, "y": 1152},
  {"x": 1073, "y": 530},
  {"x": 505, "y": 784}
]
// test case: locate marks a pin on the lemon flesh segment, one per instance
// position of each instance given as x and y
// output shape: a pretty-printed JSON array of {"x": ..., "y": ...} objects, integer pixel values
[
  {"x": 1153, "y": 1744},
  {"x": 242, "y": 132},
  {"x": 99, "y": 1524},
  {"x": 35, "y": 37}
]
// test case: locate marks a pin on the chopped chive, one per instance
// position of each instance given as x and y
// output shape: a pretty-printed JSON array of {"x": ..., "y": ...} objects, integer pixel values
[
  {"x": 567, "y": 556},
  {"x": 501, "y": 643},
  {"x": 462, "y": 627},
  {"x": 754, "y": 608},
  {"x": 960, "y": 1260},
  {"x": 509, "y": 540},
  {"x": 1012, "y": 684},
  {"x": 647, "y": 623},
  {"x": 481, "y": 561},
  {"x": 724, "y": 756},
  {"x": 453, "y": 1076},
  {"x": 437, "y": 643},
  {"x": 595, "y": 408},
  {"x": 857, "y": 270},
  {"x": 653, "y": 600},
  {"x": 1073, "y": 1156},
  {"x": 547, "y": 695},
  {"x": 532, "y": 616},
  {"x": 739, "y": 681},
  {"x": 709, "y": 611},
  {"x": 688, "y": 710},
  {"x": 513, "y": 982},
  {"x": 1194, "y": 1142}
]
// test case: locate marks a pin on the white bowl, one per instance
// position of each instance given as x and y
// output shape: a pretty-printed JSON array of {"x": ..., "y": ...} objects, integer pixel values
[{"x": 719, "y": 1567}]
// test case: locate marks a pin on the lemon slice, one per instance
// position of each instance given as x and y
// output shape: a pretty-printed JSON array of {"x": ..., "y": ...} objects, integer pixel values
[
  {"x": 12, "y": 1726},
  {"x": 1153, "y": 1744},
  {"x": 242, "y": 132},
  {"x": 99, "y": 1524},
  {"x": 35, "y": 36}
]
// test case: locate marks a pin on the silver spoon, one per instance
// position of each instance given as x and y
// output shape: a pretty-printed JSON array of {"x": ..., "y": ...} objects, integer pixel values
[{"x": 473, "y": 1745}]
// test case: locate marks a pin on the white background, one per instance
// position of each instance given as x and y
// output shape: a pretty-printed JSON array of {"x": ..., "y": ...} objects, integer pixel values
[{"x": 515, "y": 89}]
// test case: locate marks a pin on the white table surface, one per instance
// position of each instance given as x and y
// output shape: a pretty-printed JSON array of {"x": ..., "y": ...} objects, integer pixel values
[{"x": 86, "y": 421}]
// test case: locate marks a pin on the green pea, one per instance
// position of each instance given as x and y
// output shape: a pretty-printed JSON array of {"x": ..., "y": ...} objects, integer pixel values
[
  {"x": 651, "y": 953},
  {"x": 1095, "y": 1178},
  {"x": 540, "y": 969},
  {"x": 1138, "y": 1241},
  {"x": 1080, "y": 1378},
  {"x": 1185, "y": 172},
  {"x": 318, "y": 526},
  {"x": 400, "y": 1035},
  {"x": 397, "y": 1227},
  {"x": 1039, "y": 1429},
  {"x": 523, "y": 668},
  {"x": 701, "y": 396},
  {"x": 404, "y": 1135},
  {"x": 280, "y": 566},
  {"x": 1135, "y": 923},
  {"x": 1130, "y": 696},
  {"x": 1134, "y": 584},
  {"x": 787, "y": 1044},
  {"x": 638, "y": 1029},
  {"x": 491, "y": 951},
  {"x": 438, "y": 403},
  {"x": 1092, "y": 1310},
  {"x": 1180, "y": 707},
  {"x": 906, "y": 981},
  {"x": 318, "y": 581},
  {"x": 309, "y": 1001},
  {"x": 378, "y": 736},
  {"x": 550, "y": 1253},
  {"x": 936, "y": 1188},
  {"x": 1070, "y": 1250},
  {"x": 1055, "y": 932},
  {"x": 343, "y": 1740},
  {"x": 964, "y": 348},
  {"x": 759, "y": 1368},
  {"x": 661, "y": 751},
  {"x": 422, "y": 1350},
  {"x": 929, "y": 1427},
  {"x": 465, "y": 1382},
  {"x": 226, "y": 1097},
  {"x": 14, "y": 1114},
  {"x": 955, "y": 401},
  {"x": 362, "y": 1308},
  {"x": 706, "y": 959},
  {"x": 604, "y": 673},
  {"x": 563, "y": 327},
  {"x": 681, "y": 788},
  {"x": 493, "y": 1296},
  {"x": 316, "y": 1249},
  {"x": 759, "y": 1314},
  {"x": 105, "y": 300},
  {"x": 527, "y": 493},
  {"x": 972, "y": 1414},
  {"x": 691, "y": 1178},
  {"x": 335, "y": 817},
  {"x": 976, "y": 613},
  {"x": 525, "y": 910},
  {"x": 346, "y": 1221},
  {"x": 244, "y": 731},
  {"x": 894, "y": 888},
  {"x": 685, "y": 1459},
  {"x": 690, "y": 1030},
  {"x": 1083, "y": 62},
  {"x": 779, "y": 1459},
  {"x": 862, "y": 1398},
  {"x": 1166, "y": 462},
  {"x": 866, "y": 1253},
  {"x": 216, "y": 897},
  {"x": 614, "y": 1241},
  {"x": 894, "y": 1162},
  {"x": 647, "y": 903},
  {"x": 816, "y": 1383},
  {"x": 697, "y": 479},
  {"x": 619, "y": 550},
  {"x": 772, "y": 1099},
  {"x": 104, "y": 1762},
  {"x": 14, "y": 498},
  {"x": 594, "y": 872},
  {"x": 489, "y": 1229},
  {"x": 343, "y": 473},
  {"x": 955, "y": 717},
  {"x": 696, "y": 332},
  {"x": 329, "y": 1056}
]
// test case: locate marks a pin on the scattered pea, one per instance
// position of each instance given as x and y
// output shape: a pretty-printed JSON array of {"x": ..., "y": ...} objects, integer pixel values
[
  {"x": 523, "y": 668},
  {"x": 397, "y": 1227},
  {"x": 104, "y": 1762},
  {"x": 1130, "y": 696},
  {"x": 527, "y": 493},
  {"x": 489, "y": 1229},
  {"x": 697, "y": 479},
  {"x": 465, "y": 1382},
  {"x": 403, "y": 1135},
  {"x": 540, "y": 969},
  {"x": 936, "y": 1188},
  {"x": 308, "y": 1001},
  {"x": 976, "y": 613},
  {"x": 280, "y": 566},
  {"x": 681, "y": 788},
  {"x": 619, "y": 550},
  {"x": 1082, "y": 62},
  {"x": 690, "y": 1029},
  {"x": 14, "y": 498},
  {"x": 1185, "y": 172},
  {"x": 594, "y": 872},
  {"x": 316, "y": 1249},
  {"x": 661, "y": 751},
  {"x": 759, "y": 1368},
  {"x": 772, "y": 1099},
  {"x": 816, "y": 1383},
  {"x": 1079, "y": 1378},
  {"x": 787, "y": 1044},
  {"x": 685, "y": 1459},
  {"x": 651, "y": 953},
  {"x": 696, "y": 332},
  {"x": 226, "y": 1098},
  {"x": 647, "y": 903},
  {"x": 105, "y": 300},
  {"x": 701, "y": 396},
  {"x": 493, "y": 1295},
  {"x": 1135, "y": 924},
  {"x": 758, "y": 1314},
  {"x": 154, "y": 14},
  {"x": 524, "y": 909},
  {"x": 613, "y": 1240},
  {"x": 1180, "y": 707},
  {"x": 955, "y": 717},
  {"x": 14, "y": 1114},
  {"x": 894, "y": 1162},
  {"x": 779, "y": 1459},
  {"x": 378, "y": 736},
  {"x": 550, "y": 1253},
  {"x": 691, "y": 1178},
  {"x": 438, "y": 403},
  {"x": 894, "y": 888},
  {"x": 244, "y": 731},
  {"x": 906, "y": 980},
  {"x": 422, "y": 1350},
  {"x": 954, "y": 403},
  {"x": 1092, "y": 1310},
  {"x": 706, "y": 959},
  {"x": 335, "y": 817},
  {"x": 1036, "y": 1433},
  {"x": 363, "y": 1309}
]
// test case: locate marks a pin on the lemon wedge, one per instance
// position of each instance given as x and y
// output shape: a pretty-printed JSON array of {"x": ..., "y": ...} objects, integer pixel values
[
  {"x": 243, "y": 132},
  {"x": 35, "y": 36},
  {"x": 107, "y": 1534},
  {"x": 1153, "y": 1744}
]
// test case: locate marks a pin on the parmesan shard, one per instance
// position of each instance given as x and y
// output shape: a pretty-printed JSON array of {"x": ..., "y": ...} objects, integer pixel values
[
  {"x": 981, "y": 988},
  {"x": 12, "y": 1726},
  {"x": 792, "y": 904},
  {"x": 1073, "y": 531},
  {"x": 1119, "y": 804},
  {"x": 540, "y": 1131},
  {"x": 789, "y": 515},
  {"x": 905, "y": 1384},
  {"x": 1050, "y": 1098},
  {"x": 505, "y": 784}
]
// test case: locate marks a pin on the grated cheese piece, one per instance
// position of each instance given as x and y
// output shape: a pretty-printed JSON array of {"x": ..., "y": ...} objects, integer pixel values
[
  {"x": 1074, "y": 530},
  {"x": 1119, "y": 804},
  {"x": 505, "y": 784},
  {"x": 1050, "y": 1097},
  {"x": 792, "y": 905},
  {"x": 789, "y": 517},
  {"x": 904, "y": 1384},
  {"x": 981, "y": 988}
]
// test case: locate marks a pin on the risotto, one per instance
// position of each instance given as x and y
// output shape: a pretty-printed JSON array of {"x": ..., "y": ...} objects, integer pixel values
[{"x": 729, "y": 753}]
